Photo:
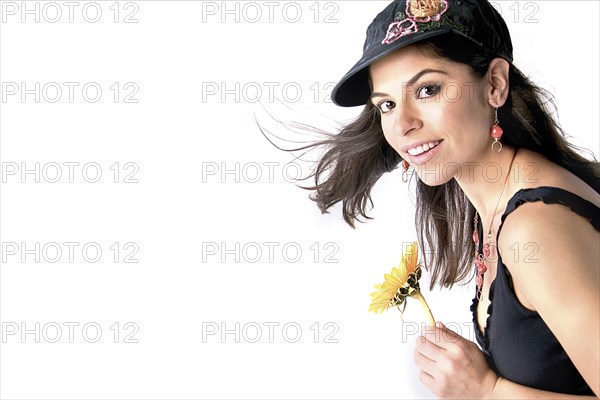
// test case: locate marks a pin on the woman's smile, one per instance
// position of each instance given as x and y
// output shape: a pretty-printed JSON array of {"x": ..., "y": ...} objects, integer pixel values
[{"x": 420, "y": 154}]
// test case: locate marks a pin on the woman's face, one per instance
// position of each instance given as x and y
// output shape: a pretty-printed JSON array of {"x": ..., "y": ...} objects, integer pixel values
[{"x": 434, "y": 112}]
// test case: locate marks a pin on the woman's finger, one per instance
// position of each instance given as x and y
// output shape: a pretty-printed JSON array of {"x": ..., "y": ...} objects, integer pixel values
[{"x": 423, "y": 361}]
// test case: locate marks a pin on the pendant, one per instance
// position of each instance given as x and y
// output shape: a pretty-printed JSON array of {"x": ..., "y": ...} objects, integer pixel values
[
  {"x": 481, "y": 267},
  {"x": 486, "y": 250}
]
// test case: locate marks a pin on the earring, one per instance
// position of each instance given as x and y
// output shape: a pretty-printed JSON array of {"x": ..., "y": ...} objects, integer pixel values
[
  {"x": 405, "y": 166},
  {"x": 496, "y": 132}
]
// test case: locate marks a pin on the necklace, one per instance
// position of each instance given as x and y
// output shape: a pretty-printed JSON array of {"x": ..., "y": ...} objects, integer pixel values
[{"x": 480, "y": 258}]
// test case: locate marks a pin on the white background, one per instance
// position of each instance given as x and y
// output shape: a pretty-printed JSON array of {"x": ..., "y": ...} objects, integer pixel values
[{"x": 179, "y": 140}]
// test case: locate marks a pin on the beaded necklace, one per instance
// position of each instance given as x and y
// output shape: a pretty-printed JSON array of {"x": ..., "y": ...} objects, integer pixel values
[{"x": 480, "y": 258}]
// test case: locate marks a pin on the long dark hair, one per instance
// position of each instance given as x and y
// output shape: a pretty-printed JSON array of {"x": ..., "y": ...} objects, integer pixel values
[{"x": 356, "y": 157}]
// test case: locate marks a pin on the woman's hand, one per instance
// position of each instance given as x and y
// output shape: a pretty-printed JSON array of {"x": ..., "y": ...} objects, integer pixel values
[{"x": 451, "y": 366}]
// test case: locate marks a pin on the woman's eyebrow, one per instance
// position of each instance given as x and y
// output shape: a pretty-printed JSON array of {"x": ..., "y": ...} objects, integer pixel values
[
  {"x": 423, "y": 72},
  {"x": 412, "y": 80}
]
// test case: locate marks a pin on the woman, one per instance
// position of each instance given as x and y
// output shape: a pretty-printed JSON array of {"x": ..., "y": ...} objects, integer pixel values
[{"x": 498, "y": 188}]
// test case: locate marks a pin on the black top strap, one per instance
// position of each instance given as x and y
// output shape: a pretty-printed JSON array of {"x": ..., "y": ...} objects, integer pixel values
[{"x": 554, "y": 195}]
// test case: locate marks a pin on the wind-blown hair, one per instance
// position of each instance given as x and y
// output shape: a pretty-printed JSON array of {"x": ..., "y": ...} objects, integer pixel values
[{"x": 356, "y": 157}]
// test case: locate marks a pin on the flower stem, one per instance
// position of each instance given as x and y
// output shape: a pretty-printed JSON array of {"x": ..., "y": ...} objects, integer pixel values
[{"x": 417, "y": 295}]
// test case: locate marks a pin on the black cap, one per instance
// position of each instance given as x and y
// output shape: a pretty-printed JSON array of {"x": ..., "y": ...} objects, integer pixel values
[{"x": 409, "y": 21}]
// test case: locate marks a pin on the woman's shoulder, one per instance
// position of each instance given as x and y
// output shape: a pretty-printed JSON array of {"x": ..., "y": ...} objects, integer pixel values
[
  {"x": 540, "y": 240},
  {"x": 532, "y": 171},
  {"x": 548, "y": 201}
]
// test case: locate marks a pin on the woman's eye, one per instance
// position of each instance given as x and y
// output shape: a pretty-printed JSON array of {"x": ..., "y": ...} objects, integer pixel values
[
  {"x": 386, "y": 106},
  {"x": 428, "y": 91}
]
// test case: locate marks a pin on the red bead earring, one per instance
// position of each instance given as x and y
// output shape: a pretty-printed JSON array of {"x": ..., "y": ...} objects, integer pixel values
[
  {"x": 496, "y": 132},
  {"x": 405, "y": 166}
]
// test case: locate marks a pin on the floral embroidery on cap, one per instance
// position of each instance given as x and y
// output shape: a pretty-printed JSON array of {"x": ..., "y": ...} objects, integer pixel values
[
  {"x": 417, "y": 12},
  {"x": 426, "y": 9}
]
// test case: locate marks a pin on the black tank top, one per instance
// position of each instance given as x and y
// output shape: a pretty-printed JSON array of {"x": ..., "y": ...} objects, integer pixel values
[{"x": 517, "y": 344}]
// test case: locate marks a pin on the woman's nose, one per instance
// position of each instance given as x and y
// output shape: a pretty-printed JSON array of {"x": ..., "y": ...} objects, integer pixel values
[{"x": 406, "y": 119}]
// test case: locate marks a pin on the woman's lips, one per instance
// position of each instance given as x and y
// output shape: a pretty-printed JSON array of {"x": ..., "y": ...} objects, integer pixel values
[{"x": 424, "y": 157}]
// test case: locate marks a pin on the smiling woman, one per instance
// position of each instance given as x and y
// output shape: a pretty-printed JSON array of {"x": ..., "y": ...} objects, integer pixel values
[{"x": 441, "y": 95}]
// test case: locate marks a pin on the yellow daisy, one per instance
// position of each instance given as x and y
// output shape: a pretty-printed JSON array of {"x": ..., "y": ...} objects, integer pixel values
[{"x": 401, "y": 283}]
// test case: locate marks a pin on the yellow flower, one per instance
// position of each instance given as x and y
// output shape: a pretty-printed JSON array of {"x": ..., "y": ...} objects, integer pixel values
[{"x": 401, "y": 283}]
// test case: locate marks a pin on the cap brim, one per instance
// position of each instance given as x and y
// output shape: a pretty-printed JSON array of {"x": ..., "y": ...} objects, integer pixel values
[{"x": 353, "y": 89}]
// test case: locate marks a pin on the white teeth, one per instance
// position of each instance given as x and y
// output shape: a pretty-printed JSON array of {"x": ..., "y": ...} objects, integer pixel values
[{"x": 415, "y": 151}]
